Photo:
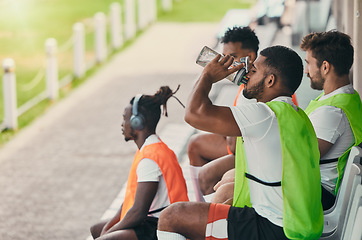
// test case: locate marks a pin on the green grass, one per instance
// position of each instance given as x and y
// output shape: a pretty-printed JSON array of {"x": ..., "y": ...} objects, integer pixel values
[
  {"x": 24, "y": 27},
  {"x": 202, "y": 10},
  {"x": 26, "y": 24}
]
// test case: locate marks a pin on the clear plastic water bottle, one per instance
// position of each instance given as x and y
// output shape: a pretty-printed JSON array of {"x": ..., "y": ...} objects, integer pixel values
[{"x": 207, "y": 54}]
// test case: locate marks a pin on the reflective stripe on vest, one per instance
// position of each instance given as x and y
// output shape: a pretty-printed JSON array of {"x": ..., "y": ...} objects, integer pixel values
[
  {"x": 302, "y": 208},
  {"x": 352, "y": 107},
  {"x": 171, "y": 171}
]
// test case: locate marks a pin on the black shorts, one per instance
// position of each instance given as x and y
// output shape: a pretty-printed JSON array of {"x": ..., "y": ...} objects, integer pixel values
[
  {"x": 245, "y": 223},
  {"x": 328, "y": 199},
  {"x": 147, "y": 229}
]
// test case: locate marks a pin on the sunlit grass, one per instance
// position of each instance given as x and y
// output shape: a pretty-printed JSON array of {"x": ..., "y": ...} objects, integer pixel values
[
  {"x": 26, "y": 24},
  {"x": 203, "y": 10}
]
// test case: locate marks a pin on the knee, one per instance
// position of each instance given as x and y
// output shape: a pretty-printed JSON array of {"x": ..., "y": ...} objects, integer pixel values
[
  {"x": 170, "y": 217},
  {"x": 96, "y": 229},
  {"x": 193, "y": 145},
  {"x": 95, "y": 232}
]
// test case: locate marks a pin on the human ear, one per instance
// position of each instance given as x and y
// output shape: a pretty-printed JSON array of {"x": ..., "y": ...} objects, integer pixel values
[
  {"x": 270, "y": 80},
  {"x": 325, "y": 67}
]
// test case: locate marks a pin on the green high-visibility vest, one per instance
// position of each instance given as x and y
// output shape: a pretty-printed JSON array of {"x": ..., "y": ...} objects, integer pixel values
[
  {"x": 352, "y": 107},
  {"x": 301, "y": 180}
]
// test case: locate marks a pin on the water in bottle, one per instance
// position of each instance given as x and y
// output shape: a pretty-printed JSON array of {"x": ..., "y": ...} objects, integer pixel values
[{"x": 207, "y": 54}]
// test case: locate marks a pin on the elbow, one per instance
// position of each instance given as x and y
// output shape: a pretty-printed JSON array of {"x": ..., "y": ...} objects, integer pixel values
[
  {"x": 195, "y": 115},
  {"x": 189, "y": 117}
]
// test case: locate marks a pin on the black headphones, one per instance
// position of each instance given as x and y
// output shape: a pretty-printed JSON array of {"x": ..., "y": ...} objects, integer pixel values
[{"x": 137, "y": 120}]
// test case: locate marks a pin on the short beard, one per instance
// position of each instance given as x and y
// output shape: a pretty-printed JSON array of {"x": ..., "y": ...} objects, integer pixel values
[
  {"x": 317, "y": 85},
  {"x": 133, "y": 136},
  {"x": 255, "y": 91}
]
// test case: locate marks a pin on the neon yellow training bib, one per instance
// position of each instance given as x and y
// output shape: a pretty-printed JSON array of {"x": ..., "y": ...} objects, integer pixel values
[
  {"x": 352, "y": 107},
  {"x": 301, "y": 180}
]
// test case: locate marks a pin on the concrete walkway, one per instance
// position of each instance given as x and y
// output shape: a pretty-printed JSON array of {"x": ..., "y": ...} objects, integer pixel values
[{"x": 59, "y": 175}]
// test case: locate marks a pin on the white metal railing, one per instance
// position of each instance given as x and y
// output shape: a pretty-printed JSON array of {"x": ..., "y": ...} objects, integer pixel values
[{"x": 147, "y": 13}]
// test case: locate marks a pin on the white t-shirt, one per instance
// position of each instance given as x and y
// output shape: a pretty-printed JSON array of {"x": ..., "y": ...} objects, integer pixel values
[
  {"x": 331, "y": 124},
  {"x": 149, "y": 171},
  {"x": 260, "y": 130}
]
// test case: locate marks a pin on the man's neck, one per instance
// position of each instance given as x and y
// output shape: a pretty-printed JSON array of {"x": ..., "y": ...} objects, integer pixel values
[
  {"x": 334, "y": 83},
  {"x": 269, "y": 97},
  {"x": 142, "y": 138}
]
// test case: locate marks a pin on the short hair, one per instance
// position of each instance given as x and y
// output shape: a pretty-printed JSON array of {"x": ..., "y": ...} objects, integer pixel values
[
  {"x": 286, "y": 64},
  {"x": 244, "y": 35},
  {"x": 333, "y": 46},
  {"x": 150, "y": 106}
]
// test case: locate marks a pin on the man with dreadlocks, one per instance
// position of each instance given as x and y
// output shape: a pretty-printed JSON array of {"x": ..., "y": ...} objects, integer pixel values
[{"x": 155, "y": 179}]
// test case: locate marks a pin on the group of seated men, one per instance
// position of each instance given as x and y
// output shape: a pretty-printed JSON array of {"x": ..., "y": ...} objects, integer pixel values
[{"x": 273, "y": 167}]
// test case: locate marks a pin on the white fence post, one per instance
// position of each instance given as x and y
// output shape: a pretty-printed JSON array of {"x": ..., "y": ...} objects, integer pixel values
[
  {"x": 154, "y": 10},
  {"x": 148, "y": 11},
  {"x": 116, "y": 25},
  {"x": 143, "y": 13},
  {"x": 79, "y": 50},
  {"x": 52, "y": 68},
  {"x": 130, "y": 19},
  {"x": 167, "y": 5},
  {"x": 9, "y": 89},
  {"x": 100, "y": 37}
]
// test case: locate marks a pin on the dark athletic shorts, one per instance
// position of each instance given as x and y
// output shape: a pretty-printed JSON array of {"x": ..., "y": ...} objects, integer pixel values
[
  {"x": 328, "y": 199},
  {"x": 147, "y": 230},
  {"x": 245, "y": 223}
]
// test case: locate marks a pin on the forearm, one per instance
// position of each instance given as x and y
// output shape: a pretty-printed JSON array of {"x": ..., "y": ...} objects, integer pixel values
[
  {"x": 112, "y": 222},
  {"x": 132, "y": 219},
  {"x": 200, "y": 112},
  {"x": 146, "y": 192}
]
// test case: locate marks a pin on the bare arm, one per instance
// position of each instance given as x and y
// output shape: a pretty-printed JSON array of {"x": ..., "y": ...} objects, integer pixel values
[
  {"x": 228, "y": 177},
  {"x": 212, "y": 172},
  {"x": 200, "y": 112},
  {"x": 112, "y": 222},
  {"x": 145, "y": 194},
  {"x": 324, "y": 147}
]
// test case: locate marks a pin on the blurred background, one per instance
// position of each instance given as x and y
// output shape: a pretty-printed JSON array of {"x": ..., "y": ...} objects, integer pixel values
[
  {"x": 26, "y": 25},
  {"x": 70, "y": 67}
]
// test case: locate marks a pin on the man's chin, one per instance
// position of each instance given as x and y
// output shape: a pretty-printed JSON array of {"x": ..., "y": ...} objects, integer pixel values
[
  {"x": 246, "y": 95},
  {"x": 316, "y": 87},
  {"x": 127, "y": 139}
]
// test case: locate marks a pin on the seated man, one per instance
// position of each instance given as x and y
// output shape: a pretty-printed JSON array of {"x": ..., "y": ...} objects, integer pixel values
[
  {"x": 204, "y": 147},
  {"x": 276, "y": 155},
  {"x": 336, "y": 114},
  {"x": 155, "y": 179},
  {"x": 211, "y": 155}
]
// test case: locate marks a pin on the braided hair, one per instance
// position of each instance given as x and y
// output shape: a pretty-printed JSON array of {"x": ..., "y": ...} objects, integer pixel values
[{"x": 150, "y": 106}]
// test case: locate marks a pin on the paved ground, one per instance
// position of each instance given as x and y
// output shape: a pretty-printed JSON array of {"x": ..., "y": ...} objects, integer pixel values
[
  {"x": 62, "y": 173},
  {"x": 59, "y": 175}
]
